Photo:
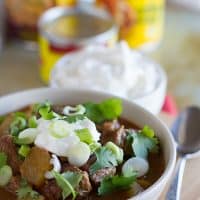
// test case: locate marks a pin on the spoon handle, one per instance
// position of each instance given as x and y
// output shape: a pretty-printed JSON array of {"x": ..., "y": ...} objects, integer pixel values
[{"x": 175, "y": 187}]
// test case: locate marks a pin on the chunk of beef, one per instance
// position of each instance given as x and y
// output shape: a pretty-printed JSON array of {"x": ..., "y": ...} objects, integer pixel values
[
  {"x": 100, "y": 174},
  {"x": 90, "y": 161},
  {"x": 28, "y": 110},
  {"x": 5, "y": 125},
  {"x": 35, "y": 165},
  {"x": 58, "y": 109},
  {"x": 63, "y": 159},
  {"x": 85, "y": 186},
  {"x": 110, "y": 126},
  {"x": 13, "y": 185},
  {"x": 114, "y": 132},
  {"x": 8, "y": 147},
  {"x": 51, "y": 191}
]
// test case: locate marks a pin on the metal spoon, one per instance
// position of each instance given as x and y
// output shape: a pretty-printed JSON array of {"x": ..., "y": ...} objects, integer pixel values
[{"x": 186, "y": 131}]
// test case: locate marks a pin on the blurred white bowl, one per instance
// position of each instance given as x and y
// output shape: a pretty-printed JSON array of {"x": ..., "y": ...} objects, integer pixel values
[
  {"x": 152, "y": 98},
  {"x": 153, "y": 101}
]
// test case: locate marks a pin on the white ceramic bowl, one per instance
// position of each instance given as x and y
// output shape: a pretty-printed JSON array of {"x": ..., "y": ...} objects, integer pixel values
[
  {"x": 131, "y": 111},
  {"x": 152, "y": 101}
]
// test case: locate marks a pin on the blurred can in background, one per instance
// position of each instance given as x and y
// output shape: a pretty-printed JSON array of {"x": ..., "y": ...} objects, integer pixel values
[
  {"x": 64, "y": 30},
  {"x": 66, "y": 2},
  {"x": 2, "y": 24},
  {"x": 141, "y": 21},
  {"x": 23, "y": 16}
]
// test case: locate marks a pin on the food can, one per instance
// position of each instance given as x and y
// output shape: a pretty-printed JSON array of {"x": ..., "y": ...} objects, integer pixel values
[
  {"x": 147, "y": 31},
  {"x": 66, "y": 2},
  {"x": 64, "y": 30},
  {"x": 141, "y": 21},
  {"x": 2, "y": 25},
  {"x": 22, "y": 17}
]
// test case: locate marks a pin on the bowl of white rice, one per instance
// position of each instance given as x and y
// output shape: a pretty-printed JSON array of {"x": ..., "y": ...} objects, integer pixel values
[{"x": 118, "y": 70}]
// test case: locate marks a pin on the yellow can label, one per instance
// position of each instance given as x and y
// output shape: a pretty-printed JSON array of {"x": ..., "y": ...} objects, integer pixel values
[
  {"x": 47, "y": 59},
  {"x": 50, "y": 54},
  {"x": 66, "y": 2},
  {"x": 148, "y": 26}
]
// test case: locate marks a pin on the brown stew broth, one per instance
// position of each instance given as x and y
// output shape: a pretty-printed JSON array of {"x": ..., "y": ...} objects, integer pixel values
[{"x": 156, "y": 163}]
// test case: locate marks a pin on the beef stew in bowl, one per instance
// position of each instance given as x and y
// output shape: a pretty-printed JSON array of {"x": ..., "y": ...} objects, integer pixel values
[{"x": 84, "y": 151}]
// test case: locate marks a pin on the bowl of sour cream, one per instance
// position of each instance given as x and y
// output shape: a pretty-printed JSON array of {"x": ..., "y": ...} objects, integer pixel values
[{"x": 118, "y": 70}]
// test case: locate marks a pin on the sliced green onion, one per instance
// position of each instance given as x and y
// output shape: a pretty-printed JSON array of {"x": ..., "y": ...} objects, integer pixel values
[
  {"x": 20, "y": 114},
  {"x": 2, "y": 118},
  {"x": 44, "y": 109},
  {"x": 78, "y": 154},
  {"x": 135, "y": 166},
  {"x": 32, "y": 122},
  {"x": 46, "y": 113},
  {"x": 60, "y": 129},
  {"x": 45, "y": 104},
  {"x": 24, "y": 150},
  {"x": 74, "y": 118},
  {"x": 18, "y": 125},
  {"x": 28, "y": 135},
  {"x": 70, "y": 111},
  {"x": 84, "y": 135},
  {"x": 18, "y": 141},
  {"x": 117, "y": 151},
  {"x": 5, "y": 175},
  {"x": 3, "y": 159},
  {"x": 147, "y": 131},
  {"x": 94, "y": 146}
]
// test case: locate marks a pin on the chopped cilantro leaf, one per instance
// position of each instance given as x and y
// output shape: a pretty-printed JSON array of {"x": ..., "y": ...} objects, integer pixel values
[
  {"x": 111, "y": 108},
  {"x": 74, "y": 178},
  {"x": 115, "y": 183},
  {"x": 3, "y": 159},
  {"x": 74, "y": 118},
  {"x": 117, "y": 151},
  {"x": 25, "y": 191},
  {"x": 107, "y": 110},
  {"x": 105, "y": 158},
  {"x": 143, "y": 141},
  {"x": 68, "y": 181}
]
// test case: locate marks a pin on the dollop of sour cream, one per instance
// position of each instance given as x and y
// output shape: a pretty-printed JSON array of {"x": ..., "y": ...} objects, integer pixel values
[
  {"x": 56, "y": 167},
  {"x": 118, "y": 70},
  {"x": 59, "y": 137}
]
